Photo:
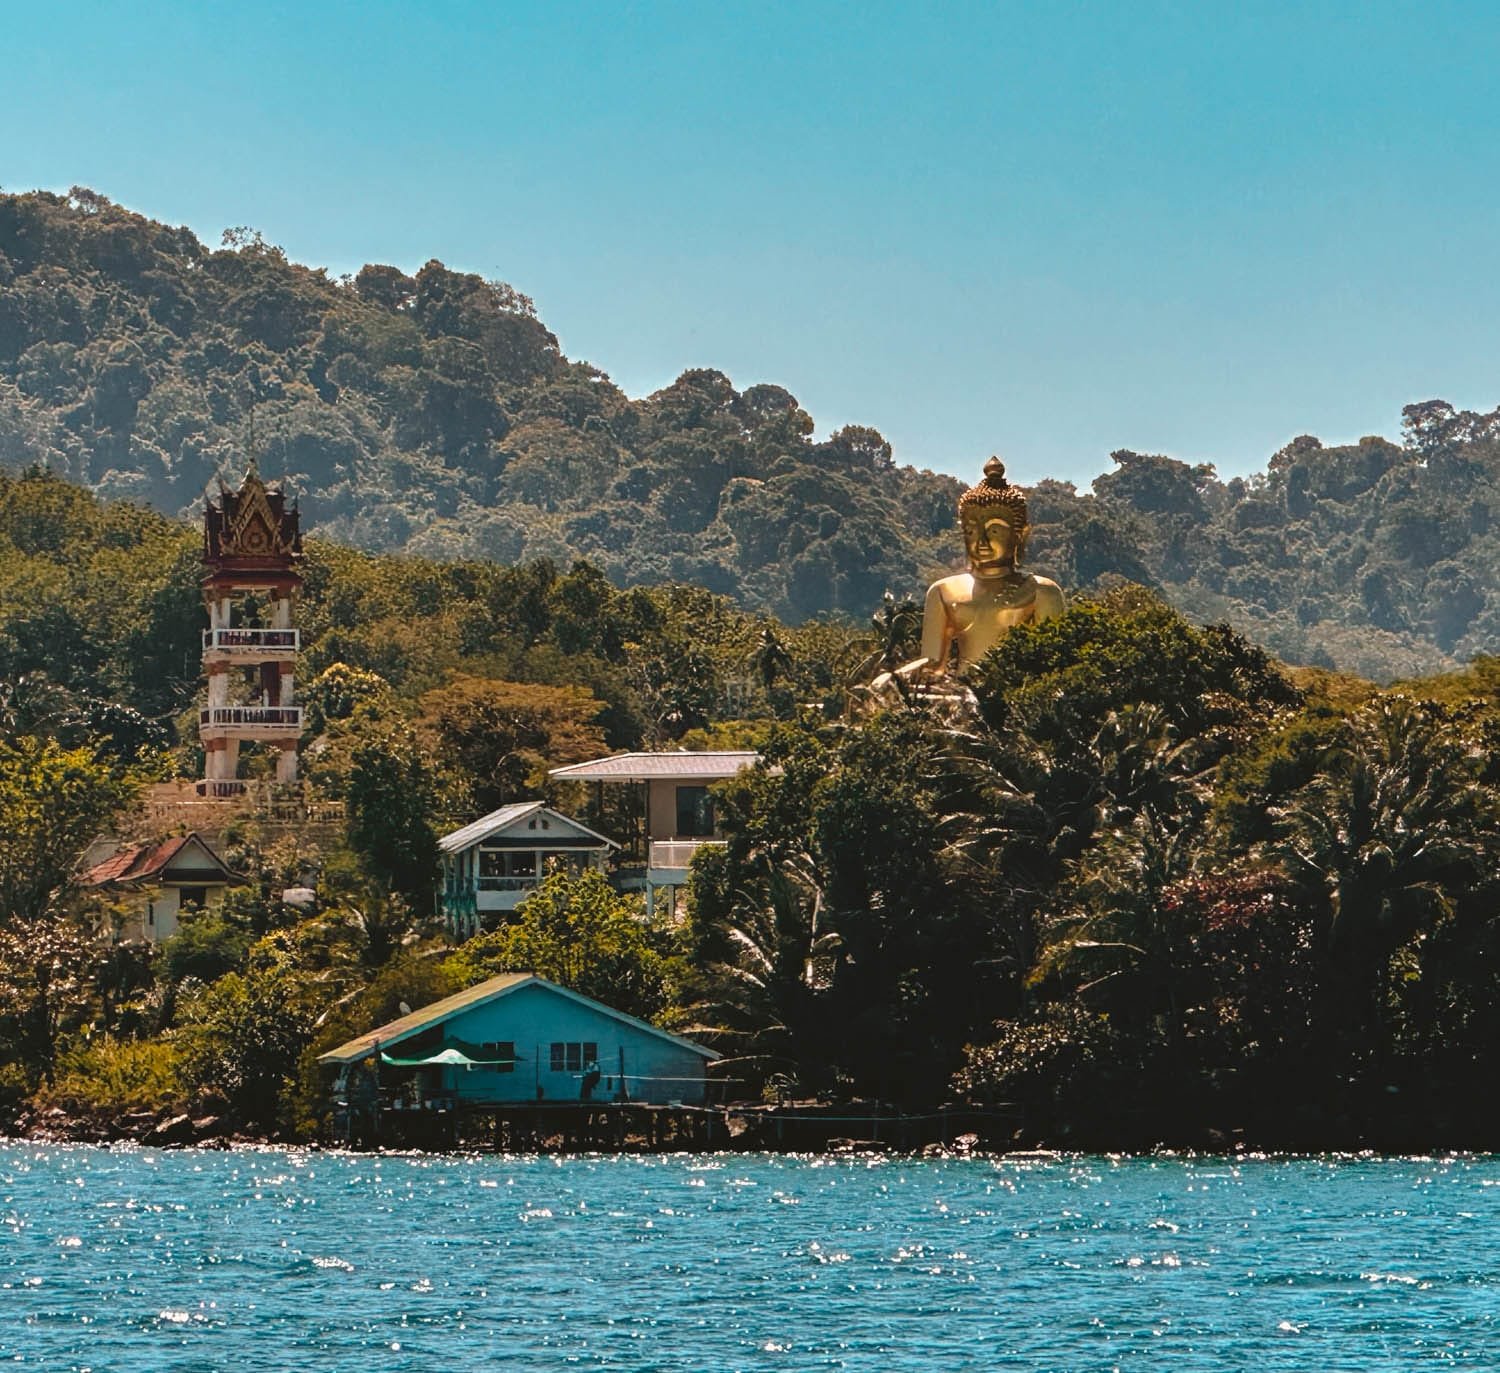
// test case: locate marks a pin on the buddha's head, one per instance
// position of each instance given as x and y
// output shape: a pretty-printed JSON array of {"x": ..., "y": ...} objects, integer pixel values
[{"x": 993, "y": 518}]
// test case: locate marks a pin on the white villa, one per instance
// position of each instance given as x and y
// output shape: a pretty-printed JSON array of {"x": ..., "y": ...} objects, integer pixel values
[
  {"x": 494, "y": 864},
  {"x": 678, "y": 810}
]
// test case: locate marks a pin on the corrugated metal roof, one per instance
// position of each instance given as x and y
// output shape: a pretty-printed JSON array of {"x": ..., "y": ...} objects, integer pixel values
[
  {"x": 362, "y": 1046},
  {"x": 396, "y": 1030},
  {"x": 497, "y": 820},
  {"x": 646, "y": 767}
]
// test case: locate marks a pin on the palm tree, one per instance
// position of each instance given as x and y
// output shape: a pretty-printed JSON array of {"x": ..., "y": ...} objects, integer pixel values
[
  {"x": 1143, "y": 769},
  {"x": 771, "y": 658},
  {"x": 1391, "y": 835},
  {"x": 1124, "y": 819},
  {"x": 385, "y": 924},
  {"x": 895, "y": 638},
  {"x": 764, "y": 996},
  {"x": 1118, "y": 942},
  {"x": 1397, "y": 825}
]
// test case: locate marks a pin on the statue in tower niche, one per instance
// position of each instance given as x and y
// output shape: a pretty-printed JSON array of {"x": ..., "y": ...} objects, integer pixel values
[{"x": 967, "y": 614}]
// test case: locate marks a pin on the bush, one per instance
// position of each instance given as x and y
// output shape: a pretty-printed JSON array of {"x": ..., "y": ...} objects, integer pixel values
[
  {"x": 205, "y": 947},
  {"x": 243, "y": 1036},
  {"x": 577, "y": 931},
  {"x": 114, "y": 1075}
]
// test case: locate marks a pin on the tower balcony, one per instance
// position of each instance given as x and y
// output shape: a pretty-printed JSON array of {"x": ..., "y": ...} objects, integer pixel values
[
  {"x": 250, "y": 722},
  {"x": 252, "y": 645}
]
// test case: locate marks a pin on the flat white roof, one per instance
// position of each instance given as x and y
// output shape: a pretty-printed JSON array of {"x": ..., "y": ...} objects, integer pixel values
[{"x": 681, "y": 766}]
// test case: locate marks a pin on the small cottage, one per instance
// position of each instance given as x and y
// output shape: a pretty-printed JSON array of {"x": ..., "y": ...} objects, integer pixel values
[
  {"x": 154, "y": 883},
  {"x": 519, "y": 1038},
  {"x": 495, "y": 863}
]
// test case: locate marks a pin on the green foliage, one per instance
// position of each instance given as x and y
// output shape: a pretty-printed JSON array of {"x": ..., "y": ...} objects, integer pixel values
[
  {"x": 205, "y": 946},
  {"x": 390, "y": 807},
  {"x": 577, "y": 931},
  {"x": 1060, "y": 679},
  {"x": 336, "y": 692},
  {"x": 244, "y": 1035},
  {"x": 1059, "y": 1054},
  {"x": 110, "y": 1076},
  {"x": 762, "y": 968},
  {"x": 47, "y": 971},
  {"x": 499, "y": 738},
  {"x": 53, "y": 801}
]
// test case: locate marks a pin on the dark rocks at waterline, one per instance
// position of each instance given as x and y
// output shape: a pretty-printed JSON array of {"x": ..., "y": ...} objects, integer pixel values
[{"x": 171, "y": 1128}]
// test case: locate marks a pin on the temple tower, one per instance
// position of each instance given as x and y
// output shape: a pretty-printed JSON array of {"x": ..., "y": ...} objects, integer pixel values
[{"x": 251, "y": 552}]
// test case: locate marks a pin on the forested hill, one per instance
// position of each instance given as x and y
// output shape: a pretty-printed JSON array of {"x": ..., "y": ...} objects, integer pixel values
[{"x": 436, "y": 413}]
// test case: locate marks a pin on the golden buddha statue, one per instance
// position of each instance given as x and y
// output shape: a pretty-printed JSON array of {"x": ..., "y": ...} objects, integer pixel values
[{"x": 970, "y": 612}]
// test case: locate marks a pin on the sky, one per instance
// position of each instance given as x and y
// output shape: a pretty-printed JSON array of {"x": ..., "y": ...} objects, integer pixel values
[{"x": 1046, "y": 230}]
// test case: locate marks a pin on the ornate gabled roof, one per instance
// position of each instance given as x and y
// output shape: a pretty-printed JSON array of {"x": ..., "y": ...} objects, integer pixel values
[{"x": 254, "y": 527}]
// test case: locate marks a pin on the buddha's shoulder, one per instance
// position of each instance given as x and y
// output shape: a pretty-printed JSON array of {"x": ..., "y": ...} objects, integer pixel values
[{"x": 1049, "y": 596}]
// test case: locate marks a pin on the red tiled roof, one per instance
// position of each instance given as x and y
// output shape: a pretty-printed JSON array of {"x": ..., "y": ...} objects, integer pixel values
[{"x": 142, "y": 862}]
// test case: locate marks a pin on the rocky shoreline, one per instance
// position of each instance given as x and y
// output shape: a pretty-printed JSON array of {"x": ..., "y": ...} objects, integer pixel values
[{"x": 173, "y": 1127}]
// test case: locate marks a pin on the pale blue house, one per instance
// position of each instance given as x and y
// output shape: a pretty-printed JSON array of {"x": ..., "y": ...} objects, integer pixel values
[{"x": 519, "y": 1038}]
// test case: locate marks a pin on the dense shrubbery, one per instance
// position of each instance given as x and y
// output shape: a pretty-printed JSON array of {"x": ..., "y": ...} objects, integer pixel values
[
  {"x": 1163, "y": 889},
  {"x": 1156, "y": 884}
]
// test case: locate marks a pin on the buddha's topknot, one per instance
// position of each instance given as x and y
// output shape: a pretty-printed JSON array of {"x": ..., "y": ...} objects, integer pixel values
[{"x": 993, "y": 489}]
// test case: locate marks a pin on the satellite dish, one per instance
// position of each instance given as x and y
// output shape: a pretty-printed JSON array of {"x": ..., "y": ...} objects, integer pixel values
[{"x": 405, "y": 1009}]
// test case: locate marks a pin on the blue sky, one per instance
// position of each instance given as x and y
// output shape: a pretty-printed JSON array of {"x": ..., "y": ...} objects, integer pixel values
[{"x": 1047, "y": 230}]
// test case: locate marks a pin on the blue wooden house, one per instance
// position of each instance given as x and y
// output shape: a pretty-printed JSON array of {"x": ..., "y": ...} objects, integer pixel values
[{"x": 519, "y": 1038}]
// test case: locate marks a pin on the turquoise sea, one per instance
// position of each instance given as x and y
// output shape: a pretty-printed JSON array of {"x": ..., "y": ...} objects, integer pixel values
[{"x": 144, "y": 1262}]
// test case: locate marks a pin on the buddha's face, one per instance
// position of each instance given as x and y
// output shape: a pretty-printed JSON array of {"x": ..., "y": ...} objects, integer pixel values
[{"x": 994, "y": 539}]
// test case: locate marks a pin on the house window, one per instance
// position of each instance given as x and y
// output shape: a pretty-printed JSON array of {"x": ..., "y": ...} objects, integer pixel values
[
  {"x": 569, "y": 1056},
  {"x": 500, "y": 1055},
  {"x": 193, "y": 896},
  {"x": 695, "y": 813},
  {"x": 507, "y": 863}
]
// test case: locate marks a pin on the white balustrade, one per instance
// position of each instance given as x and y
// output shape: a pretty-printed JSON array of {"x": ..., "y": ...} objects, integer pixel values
[
  {"x": 278, "y": 718},
  {"x": 252, "y": 641},
  {"x": 677, "y": 853}
]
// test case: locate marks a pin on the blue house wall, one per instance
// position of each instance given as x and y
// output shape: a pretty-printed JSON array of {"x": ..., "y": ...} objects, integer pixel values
[{"x": 658, "y": 1070}]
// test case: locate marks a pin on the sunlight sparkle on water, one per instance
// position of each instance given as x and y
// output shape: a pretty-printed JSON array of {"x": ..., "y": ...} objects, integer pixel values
[{"x": 139, "y": 1261}]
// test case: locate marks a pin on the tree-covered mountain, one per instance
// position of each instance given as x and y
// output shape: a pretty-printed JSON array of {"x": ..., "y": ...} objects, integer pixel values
[
  {"x": 436, "y": 413},
  {"x": 432, "y": 413}
]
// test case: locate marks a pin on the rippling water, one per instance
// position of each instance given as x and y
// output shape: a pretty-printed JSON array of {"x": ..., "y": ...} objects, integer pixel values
[{"x": 144, "y": 1262}]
